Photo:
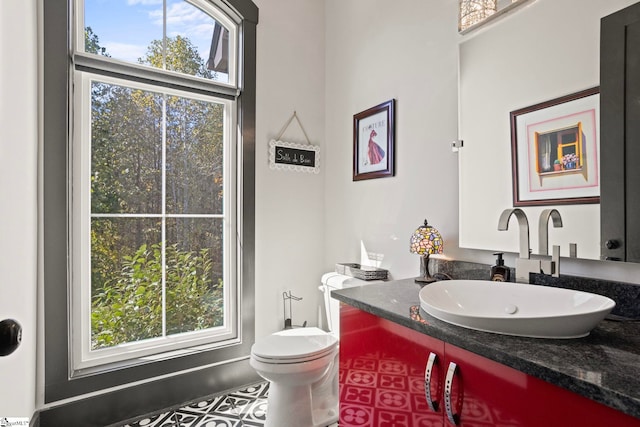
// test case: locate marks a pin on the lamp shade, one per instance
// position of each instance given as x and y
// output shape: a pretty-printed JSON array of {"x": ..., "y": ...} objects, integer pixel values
[{"x": 426, "y": 240}]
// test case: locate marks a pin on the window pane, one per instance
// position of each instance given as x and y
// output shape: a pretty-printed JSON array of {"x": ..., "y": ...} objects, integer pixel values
[
  {"x": 194, "y": 274},
  {"x": 185, "y": 39},
  {"x": 195, "y": 131},
  {"x": 189, "y": 25},
  {"x": 121, "y": 29},
  {"x": 154, "y": 157},
  {"x": 126, "y": 280},
  {"x": 126, "y": 150}
]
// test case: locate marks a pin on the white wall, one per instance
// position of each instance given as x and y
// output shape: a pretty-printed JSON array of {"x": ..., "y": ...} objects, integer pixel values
[
  {"x": 18, "y": 160},
  {"x": 378, "y": 50},
  {"x": 289, "y": 205},
  {"x": 406, "y": 49}
]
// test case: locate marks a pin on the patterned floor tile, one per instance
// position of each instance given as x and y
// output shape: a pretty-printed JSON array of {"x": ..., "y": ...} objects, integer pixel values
[
  {"x": 165, "y": 419},
  {"x": 253, "y": 391},
  {"x": 215, "y": 412},
  {"x": 216, "y": 420},
  {"x": 239, "y": 401},
  {"x": 254, "y": 413},
  {"x": 246, "y": 407},
  {"x": 186, "y": 419},
  {"x": 226, "y": 408},
  {"x": 205, "y": 406}
]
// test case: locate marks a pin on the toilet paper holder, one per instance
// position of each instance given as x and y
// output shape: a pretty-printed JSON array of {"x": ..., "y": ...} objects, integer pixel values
[{"x": 288, "y": 322}]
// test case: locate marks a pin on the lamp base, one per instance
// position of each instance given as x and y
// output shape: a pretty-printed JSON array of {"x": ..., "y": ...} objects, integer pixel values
[
  {"x": 425, "y": 280},
  {"x": 425, "y": 277}
]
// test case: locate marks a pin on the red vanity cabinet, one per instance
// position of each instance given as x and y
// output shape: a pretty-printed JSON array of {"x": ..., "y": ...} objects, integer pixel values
[
  {"x": 385, "y": 372},
  {"x": 382, "y": 373}
]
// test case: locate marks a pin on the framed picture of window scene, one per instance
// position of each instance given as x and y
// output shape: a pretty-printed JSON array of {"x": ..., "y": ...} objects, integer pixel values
[
  {"x": 373, "y": 142},
  {"x": 554, "y": 151}
]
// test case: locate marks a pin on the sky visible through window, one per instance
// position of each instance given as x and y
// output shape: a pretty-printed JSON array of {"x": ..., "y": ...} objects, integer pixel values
[{"x": 127, "y": 27}]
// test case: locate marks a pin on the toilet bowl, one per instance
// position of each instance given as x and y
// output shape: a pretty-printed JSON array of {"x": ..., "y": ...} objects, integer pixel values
[{"x": 302, "y": 365}]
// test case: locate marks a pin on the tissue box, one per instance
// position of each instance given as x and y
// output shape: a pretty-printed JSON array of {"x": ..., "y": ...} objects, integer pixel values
[{"x": 363, "y": 272}]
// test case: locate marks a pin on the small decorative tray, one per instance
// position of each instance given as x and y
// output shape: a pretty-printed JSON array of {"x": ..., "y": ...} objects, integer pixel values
[{"x": 363, "y": 272}]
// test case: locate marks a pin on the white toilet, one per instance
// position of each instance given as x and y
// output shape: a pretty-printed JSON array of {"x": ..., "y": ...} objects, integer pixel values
[{"x": 302, "y": 366}]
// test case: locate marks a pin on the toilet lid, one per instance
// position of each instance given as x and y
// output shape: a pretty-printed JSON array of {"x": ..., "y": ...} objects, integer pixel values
[{"x": 294, "y": 344}]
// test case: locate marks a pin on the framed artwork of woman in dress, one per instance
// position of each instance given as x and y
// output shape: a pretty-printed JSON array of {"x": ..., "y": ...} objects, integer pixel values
[{"x": 373, "y": 142}]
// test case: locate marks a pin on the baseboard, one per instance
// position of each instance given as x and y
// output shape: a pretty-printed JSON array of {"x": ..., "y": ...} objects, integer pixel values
[
  {"x": 35, "y": 420},
  {"x": 113, "y": 407}
]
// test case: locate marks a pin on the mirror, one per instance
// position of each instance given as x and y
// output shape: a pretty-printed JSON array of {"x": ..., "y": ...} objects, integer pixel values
[{"x": 526, "y": 59}]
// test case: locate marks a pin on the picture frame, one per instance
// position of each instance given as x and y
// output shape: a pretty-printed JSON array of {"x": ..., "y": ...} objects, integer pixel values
[
  {"x": 374, "y": 142},
  {"x": 555, "y": 149}
]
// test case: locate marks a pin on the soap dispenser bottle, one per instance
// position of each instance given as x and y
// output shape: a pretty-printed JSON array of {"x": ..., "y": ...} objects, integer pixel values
[{"x": 499, "y": 272}]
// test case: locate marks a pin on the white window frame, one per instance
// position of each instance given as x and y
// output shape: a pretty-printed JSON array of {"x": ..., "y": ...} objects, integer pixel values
[{"x": 83, "y": 359}]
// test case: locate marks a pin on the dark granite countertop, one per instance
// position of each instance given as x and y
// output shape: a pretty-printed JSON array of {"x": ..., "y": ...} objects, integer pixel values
[{"x": 604, "y": 366}]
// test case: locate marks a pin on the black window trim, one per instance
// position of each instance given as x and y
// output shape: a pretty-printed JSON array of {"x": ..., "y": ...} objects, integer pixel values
[{"x": 161, "y": 383}]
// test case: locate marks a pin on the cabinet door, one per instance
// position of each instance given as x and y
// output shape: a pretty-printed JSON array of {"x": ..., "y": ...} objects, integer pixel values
[
  {"x": 485, "y": 393},
  {"x": 620, "y": 132},
  {"x": 382, "y": 373}
]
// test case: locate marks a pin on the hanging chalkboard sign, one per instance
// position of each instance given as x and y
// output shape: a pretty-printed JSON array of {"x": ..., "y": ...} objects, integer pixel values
[
  {"x": 292, "y": 156},
  {"x": 295, "y": 156}
]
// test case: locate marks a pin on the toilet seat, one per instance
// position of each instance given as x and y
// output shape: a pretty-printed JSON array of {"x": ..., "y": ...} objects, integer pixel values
[{"x": 294, "y": 346}]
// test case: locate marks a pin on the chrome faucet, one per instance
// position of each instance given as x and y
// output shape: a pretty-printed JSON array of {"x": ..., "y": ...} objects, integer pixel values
[
  {"x": 503, "y": 225},
  {"x": 549, "y": 266},
  {"x": 543, "y": 228},
  {"x": 524, "y": 265}
]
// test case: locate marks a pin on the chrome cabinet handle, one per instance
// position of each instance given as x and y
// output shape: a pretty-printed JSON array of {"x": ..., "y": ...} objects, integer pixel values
[
  {"x": 448, "y": 385},
  {"x": 433, "y": 359}
]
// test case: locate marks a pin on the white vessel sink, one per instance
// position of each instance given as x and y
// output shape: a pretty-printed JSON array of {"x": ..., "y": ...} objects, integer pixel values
[{"x": 514, "y": 308}]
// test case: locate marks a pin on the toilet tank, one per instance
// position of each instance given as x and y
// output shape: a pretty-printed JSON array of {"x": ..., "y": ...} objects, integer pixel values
[{"x": 330, "y": 282}]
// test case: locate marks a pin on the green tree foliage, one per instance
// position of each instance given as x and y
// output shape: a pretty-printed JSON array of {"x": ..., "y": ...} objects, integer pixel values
[
  {"x": 129, "y": 306},
  {"x": 92, "y": 43},
  {"x": 127, "y": 130},
  {"x": 180, "y": 55},
  {"x": 194, "y": 138}
]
